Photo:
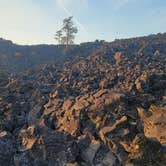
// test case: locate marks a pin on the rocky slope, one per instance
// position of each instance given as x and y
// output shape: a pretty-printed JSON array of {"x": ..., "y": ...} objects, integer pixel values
[
  {"x": 18, "y": 58},
  {"x": 102, "y": 105}
]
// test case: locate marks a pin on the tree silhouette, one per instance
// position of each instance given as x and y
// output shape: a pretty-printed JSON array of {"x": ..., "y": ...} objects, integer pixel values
[
  {"x": 58, "y": 36},
  {"x": 67, "y": 34},
  {"x": 69, "y": 30}
]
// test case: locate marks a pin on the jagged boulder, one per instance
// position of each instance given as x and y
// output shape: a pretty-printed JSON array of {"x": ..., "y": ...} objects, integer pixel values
[
  {"x": 95, "y": 153},
  {"x": 154, "y": 124},
  {"x": 41, "y": 145},
  {"x": 140, "y": 152}
]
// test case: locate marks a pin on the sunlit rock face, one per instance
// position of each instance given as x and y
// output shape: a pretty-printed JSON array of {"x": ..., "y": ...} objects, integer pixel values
[{"x": 154, "y": 124}]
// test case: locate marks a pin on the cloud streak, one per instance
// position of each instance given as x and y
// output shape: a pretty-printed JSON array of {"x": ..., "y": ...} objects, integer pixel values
[
  {"x": 118, "y": 4},
  {"x": 63, "y": 4},
  {"x": 33, "y": 22}
]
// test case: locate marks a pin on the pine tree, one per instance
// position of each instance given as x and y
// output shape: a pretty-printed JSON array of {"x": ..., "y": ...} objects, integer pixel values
[
  {"x": 66, "y": 35},
  {"x": 58, "y": 36},
  {"x": 69, "y": 30}
]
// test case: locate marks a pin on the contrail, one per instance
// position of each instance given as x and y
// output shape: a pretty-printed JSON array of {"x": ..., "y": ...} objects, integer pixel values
[{"x": 70, "y": 14}]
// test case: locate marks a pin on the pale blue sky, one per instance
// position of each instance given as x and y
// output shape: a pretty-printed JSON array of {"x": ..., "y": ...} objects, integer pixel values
[{"x": 36, "y": 21}]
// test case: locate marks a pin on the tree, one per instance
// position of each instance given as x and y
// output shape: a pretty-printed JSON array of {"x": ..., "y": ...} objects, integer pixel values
[
  {"x": 63, "y": 40},
  {"x": 69, "y": 30},
  {"x": 58, "y": 36},
  {"x": 66, "y": 35}
]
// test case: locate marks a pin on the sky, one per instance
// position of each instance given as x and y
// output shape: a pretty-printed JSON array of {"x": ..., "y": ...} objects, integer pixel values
[{"x": 36, "y": 21}]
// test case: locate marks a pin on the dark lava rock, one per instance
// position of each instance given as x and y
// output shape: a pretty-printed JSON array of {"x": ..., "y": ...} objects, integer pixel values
[
  {"x": 43, "y": 146},
  {"x": 85, "y": 105},
  {"x": 7, "y": 149}
]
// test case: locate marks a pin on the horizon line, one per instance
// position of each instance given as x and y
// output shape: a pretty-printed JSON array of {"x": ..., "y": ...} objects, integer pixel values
[{"x": 92, "y": 41}]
